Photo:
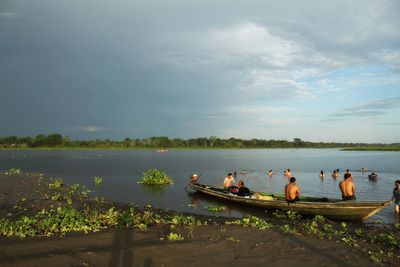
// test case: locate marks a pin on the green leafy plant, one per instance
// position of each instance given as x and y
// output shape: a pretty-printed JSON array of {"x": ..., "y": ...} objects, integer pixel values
[
  {"x": 279, "y": 214},
  {"x": 155, "y": 177},
  {"x": 376, "y": 256},
  {"x": 312, "y": 228},
  {"x": 183, "y": 220},
  {"x": 57, "y": 184},
  {"x": 252, "y": 221},
  {"x": 13, "y": 171},
  {"x": 174, "y": 237},
  {"x": 292, "y": 215},
  {"x": 98, "y": 180},
  {"x": 215, "y": 208},
  {"x": 288, "y": 229}
]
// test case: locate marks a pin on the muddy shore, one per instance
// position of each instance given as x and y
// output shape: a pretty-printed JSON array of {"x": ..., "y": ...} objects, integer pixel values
[{"x": 211, "y": 243}]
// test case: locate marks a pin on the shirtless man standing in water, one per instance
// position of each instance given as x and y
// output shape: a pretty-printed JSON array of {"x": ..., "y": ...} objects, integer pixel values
[
  {"x": 292, "y": 192},
  {"x": 347, "y": 187}
]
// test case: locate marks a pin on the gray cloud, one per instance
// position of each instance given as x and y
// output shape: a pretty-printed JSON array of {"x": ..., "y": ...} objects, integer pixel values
[
  {"x": 374, "y": 108},
  {"x": 388, "y": 103},
  {"x": 141, "y": 68}
]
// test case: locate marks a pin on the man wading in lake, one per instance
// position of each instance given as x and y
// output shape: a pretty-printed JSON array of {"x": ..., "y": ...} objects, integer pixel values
[
  {"x": 347, "y": 187},
  {"x": 292, "y": 192}
]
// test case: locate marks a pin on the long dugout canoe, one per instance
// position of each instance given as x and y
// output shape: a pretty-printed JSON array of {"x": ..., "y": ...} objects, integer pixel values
[{"x": 333, "y": 209}]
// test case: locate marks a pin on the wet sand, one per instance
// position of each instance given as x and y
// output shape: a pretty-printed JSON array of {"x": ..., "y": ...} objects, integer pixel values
[{"x": 215, "y": 244}]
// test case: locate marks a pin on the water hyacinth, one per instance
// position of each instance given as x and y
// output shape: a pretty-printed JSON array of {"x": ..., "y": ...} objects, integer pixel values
[
  {"x": 98, "y": 180},
  {"x": 155, "y": 177}
]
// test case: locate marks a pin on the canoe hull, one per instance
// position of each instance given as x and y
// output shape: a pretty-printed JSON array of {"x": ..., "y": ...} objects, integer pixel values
[{"x": 338, "y": 210}]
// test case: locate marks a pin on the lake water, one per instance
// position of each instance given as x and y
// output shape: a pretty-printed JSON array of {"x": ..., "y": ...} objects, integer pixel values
[{"x": 121, "y": 170}]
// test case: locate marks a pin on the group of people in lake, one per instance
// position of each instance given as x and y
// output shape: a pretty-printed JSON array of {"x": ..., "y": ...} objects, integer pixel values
[
  {"x": 347, "y": 188},
  {"x": 292, "y": 191}
]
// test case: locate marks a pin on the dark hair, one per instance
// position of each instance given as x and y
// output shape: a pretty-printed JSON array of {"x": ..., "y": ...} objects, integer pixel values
[
  {"x": 288, "y": 170},
  {"x": 292, "y": 180},
  {"x": 230, "y": 174},
  {"x": 397, "y": 181},
  {"x": 347, "y": 175}
]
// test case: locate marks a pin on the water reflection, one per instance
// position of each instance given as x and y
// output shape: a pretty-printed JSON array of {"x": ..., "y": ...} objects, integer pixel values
[{"x": 154, "y": 190}]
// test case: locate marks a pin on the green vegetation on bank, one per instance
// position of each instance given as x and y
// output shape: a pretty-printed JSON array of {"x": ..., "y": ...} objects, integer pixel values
[
  {"x": 58, "y": 141},
  {"x": 69, "y": 208}
]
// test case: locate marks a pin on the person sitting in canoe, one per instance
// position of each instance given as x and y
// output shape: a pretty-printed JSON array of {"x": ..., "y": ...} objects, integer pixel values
[
  {"x": 243, "y": 191},
  {"x": 230, "y": 184},
  {"x": 292, "y": 191},
  {"x": 347, "y": 187}
]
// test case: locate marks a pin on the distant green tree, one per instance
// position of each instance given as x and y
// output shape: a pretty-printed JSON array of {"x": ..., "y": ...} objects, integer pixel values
[
  {"x": 11, "y": 140},
  {"x": 40, "y": 140},
  {"x": 54, "y": 140}
]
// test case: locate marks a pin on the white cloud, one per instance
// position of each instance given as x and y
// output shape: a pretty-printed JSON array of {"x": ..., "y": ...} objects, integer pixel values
[
  {"x": 261, "y": 64},
  {"x": 94, "y": 129},
  {"x": 252, "y": 40}
]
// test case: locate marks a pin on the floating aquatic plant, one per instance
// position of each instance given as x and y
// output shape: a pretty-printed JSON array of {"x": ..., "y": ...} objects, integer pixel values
[
  {"x": 98, "y": 180},
  {"x": 155, "y": 177},
  {"x": 215, "y": 208}
]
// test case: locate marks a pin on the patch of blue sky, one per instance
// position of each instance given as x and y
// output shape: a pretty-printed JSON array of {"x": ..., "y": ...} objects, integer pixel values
[{"x": 374, "y": 81}]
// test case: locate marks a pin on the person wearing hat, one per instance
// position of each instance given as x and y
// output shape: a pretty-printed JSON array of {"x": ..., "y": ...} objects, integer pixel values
[{"x": 195, "y": 179}]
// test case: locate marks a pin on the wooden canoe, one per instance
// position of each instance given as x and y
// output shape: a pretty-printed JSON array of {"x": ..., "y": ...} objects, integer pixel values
[{"x": 334, "y": 209}]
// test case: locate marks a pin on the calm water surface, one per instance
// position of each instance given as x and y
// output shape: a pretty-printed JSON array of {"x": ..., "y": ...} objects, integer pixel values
[{"x": 121, "y": 170}]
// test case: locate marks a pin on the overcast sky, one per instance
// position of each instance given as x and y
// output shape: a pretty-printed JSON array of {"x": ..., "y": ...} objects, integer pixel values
[{"x": 316, "y": 70}]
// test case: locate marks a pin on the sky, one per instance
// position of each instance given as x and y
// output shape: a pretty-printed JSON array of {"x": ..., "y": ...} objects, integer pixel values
[{"x": 317, "y": 70}]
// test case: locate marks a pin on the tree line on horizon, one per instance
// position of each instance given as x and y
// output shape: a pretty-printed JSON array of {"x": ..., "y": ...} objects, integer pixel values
[{"x": 56, "y": 140}]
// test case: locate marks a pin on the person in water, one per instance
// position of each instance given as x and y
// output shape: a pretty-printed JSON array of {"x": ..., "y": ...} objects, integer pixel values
[
  {"x": 292, "y": 191},
  {"x": 195, "y": 178},
  {"x": 321, "y": 174},
  {"x": 335, "y": 173},
  {"x": 287, "y": 173},
  {"x": 270, "y": 173},
  {"x": 347, "y": 187},
  {"x": 396, "y": 197},
  {"x": 243, "y": 191},
  {"x": 229, "y": 181}
]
